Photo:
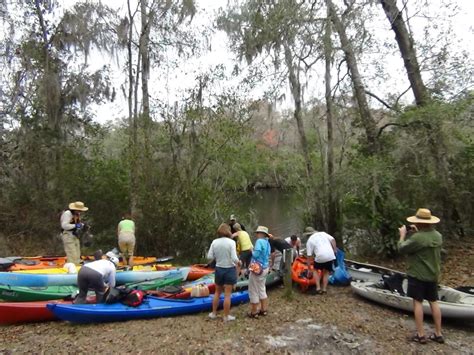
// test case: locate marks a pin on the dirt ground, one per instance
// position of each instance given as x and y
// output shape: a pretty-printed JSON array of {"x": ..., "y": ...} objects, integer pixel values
[{"x": 336, "y": 323}]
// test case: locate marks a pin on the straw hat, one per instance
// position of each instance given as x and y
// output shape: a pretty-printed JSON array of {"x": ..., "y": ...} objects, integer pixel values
[
  {"x": 262, "y": 229},
  {"x": 423, "y": 215},
  {"x": 78, "y": 206},
  {"x": 309, "y": 231}
]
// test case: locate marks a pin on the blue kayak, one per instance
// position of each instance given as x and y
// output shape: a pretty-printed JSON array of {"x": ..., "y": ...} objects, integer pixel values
[
  {"x": 122, "y": 277},
  {"x": 152, "y": 307}
]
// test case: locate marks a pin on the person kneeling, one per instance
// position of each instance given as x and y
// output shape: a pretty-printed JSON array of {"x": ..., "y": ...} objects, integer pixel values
[{"x": 97, "y": 275}]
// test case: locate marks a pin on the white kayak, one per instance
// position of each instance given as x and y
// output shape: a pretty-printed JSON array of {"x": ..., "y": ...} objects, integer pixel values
[
  {"x": 453, "y": 303},
  {"x": 368, "y": 272}
]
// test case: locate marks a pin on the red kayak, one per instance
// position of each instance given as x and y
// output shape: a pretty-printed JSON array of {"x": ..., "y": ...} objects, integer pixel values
[
  {"x": 301, "y": 274},
  {"x": 23, "y": 312}
]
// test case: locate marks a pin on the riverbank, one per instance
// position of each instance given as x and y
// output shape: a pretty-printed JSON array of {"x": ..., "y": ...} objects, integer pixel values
[{"x": 338, "y": 322}]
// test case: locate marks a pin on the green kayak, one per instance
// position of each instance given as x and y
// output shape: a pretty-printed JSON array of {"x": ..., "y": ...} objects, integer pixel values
[{"x": 28, "y": 294}]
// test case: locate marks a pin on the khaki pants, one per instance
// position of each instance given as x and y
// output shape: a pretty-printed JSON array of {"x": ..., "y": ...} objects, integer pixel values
[
  {"x": 72, "y": 247},
  {"x": 126, "y": 241}
]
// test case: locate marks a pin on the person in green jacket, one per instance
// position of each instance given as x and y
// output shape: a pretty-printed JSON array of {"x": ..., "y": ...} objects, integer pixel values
[
  {"x": 423, "y": 250},
  {"x": 126, "y": 238}
]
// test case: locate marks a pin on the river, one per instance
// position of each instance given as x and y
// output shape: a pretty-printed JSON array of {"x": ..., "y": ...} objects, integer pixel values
[{"x": 279, "y": 210}]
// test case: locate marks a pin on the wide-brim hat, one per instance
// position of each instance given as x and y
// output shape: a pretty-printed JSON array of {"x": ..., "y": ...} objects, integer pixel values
[
  {"x": 423, "y": 215},
  {"x": 262, "y": 229},
  {"x": 309, "y": 231},
  {"x": 78, "y": 206}
]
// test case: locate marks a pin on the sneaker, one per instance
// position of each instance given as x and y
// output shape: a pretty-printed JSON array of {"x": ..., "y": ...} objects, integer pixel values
[
  {"x": 212, "y": 315},
  {"x": 229, "y": 318}
]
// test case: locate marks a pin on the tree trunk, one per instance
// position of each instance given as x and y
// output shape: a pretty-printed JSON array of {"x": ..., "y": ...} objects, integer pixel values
[
  {"x": 132, "y": 120},
  {"x": 295, "y": 86},
  {"x": 146, "y": 20},
  {"x": 331, "y": 188},
  {"x": 367, "y": 120},
  {"x": 407, "y": 50}
]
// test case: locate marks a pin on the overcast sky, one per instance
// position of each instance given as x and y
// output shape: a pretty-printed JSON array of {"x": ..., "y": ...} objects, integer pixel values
[{"x": 171, "y": 85}]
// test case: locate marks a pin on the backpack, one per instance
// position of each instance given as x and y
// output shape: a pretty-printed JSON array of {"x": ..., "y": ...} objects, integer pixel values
[{"x": 134, "y": 298}]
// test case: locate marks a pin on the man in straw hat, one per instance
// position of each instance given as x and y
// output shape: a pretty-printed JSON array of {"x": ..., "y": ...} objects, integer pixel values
[
  {"x": 423, "y": 249},
  {"x": 70, "y": 225}
]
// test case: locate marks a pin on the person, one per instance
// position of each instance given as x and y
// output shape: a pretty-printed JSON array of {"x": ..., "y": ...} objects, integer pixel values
[
  {"x": 423, "y": 249},
  {"x": 295, "y": 242},
  {"x": 257, "y": 290},
  {"x": 126, "y": 238},
  {"x": 244, "y": 246},
  {"x": 321, "y": 249},
  {"x": 232, "y": 221},
  {"x": 98, "y": 276},
  {"x": 308, "y": 232},
  {"x": 277, "y": 246},
  {"x": 223, "y": 250},
  {"x": 70, "y": 226}
]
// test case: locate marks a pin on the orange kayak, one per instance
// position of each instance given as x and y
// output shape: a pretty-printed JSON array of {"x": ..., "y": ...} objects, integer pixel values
[
  {"x": 197, "y": 270},
  {"x": 300, "y": 273}
]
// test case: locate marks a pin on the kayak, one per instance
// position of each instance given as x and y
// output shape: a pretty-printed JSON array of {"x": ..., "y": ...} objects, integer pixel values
[
  {"x": 151, "y": 307},
  {"x": 368, "y": 272},
  {"x": 63, "y": 270},
  {"x": 453, "y": 304},
  {"x": 23, "y": 312},
  {"x": 199, "y": 270},
  {"x": 300, "y": 271},
  {"x": 51, "y": 262},
  {"x": 122, "y": 277},
  {"x": 273, "y": 278},
  {"x": 28, "y": 294}
]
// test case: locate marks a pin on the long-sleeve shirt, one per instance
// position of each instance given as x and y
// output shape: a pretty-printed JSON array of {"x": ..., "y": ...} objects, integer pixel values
[
  {"x": 261, "y": 252},
  {"x": 66, "y": 219},
  {"x": 423, "y": 250},
  {"x": 224, "y": 251},
  {"x": 106, "y": 268}
]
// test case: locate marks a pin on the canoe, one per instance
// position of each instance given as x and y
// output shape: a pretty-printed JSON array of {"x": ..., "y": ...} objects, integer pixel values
[
  {"x": 299, "y": 272},
  {"x": 122, "y": 277},
  {"x": 29, "y": 294},
  {"x": 368, "y": 272},
  {"x": 151, "y": 307},
  {"x": 454, "y": 304}
]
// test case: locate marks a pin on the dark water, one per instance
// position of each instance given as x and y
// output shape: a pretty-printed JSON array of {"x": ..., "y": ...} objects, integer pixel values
[{"x": 281, "y": 211}]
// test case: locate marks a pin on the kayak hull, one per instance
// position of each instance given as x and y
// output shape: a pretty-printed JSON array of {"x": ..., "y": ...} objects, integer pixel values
[
  {"x": 453, "y": 304},
  {"x": 122, "y": 277},
  {"x": 25, "y": 312},
  {"x": 152, "y": 307},
  {"x": 30, "y": 294}
]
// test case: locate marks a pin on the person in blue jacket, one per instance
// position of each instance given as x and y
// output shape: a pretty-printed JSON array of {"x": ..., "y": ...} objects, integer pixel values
[{"x": 259, "y": 267}]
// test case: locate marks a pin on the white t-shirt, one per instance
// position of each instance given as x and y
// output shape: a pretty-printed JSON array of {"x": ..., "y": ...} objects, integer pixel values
[
  {"x": 319, "y": 245},
  {"x": 223, "y": 249},
  {"x": 106, "y": 268}
]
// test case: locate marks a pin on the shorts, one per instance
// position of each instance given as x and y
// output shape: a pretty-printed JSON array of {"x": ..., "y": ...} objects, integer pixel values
[
  {"x": 126, "y": 243},
  {"x": 324, "y": 266},
  {"x": 422, "y": 290},
  {"x": 226, "y": 276},
  {"x": 257, "y": 288},
  {"x": 245, "y": 256}
]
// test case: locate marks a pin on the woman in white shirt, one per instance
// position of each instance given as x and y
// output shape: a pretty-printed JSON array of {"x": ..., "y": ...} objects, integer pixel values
[{"x": 224, "y": 251}]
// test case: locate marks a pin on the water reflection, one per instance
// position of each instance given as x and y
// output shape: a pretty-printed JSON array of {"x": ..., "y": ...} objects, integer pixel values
[{"x": 281, "y": 211}]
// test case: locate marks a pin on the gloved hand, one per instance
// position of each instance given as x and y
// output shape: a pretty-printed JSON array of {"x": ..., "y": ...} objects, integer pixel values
[{"x": 79, "y": 225}]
